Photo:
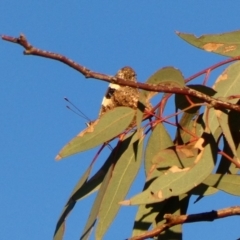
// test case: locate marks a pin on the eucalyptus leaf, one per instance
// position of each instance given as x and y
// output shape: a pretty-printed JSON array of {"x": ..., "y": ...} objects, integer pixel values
[
  {"x": 227, "y": 84},
  {"x": 60, "y": 227},
  {"x": 168, "y": 76},
  {"x": 227, "y": 44},
  {"x": 107, "y": 127},
  {"x": 96, "y": 205},
  {"x": 182, "y": 102},
  {"x": 158, "y": 140},
  {"x": 123, "y": 175},
  {"x": 229, "y": 183},
  {"x": 177, "y": 180}
]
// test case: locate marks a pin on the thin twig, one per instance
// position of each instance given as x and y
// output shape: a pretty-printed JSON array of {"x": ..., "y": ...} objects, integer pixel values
[
  {"x": 172, "y": 220},
  {"x": 166, "y": 88}
]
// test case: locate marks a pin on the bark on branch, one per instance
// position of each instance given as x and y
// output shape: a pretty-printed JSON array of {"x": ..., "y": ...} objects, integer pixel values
[
  {"x": 31, "y": 50},
  {"x": 172, "y": 220}
]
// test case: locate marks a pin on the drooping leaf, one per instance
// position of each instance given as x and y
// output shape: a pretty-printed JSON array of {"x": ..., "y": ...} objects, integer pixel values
[
  {"x": 94, "y": 183},
  {"x": 107, "y": 127},
  {"x": 96, "y": 205},
  {"x": 227, "y": 84},
  {"x": 227, "y": 44},
  {"x": 177, "y": 180},
  {"x": 167, "y": 75},
  {"x": 190, "y": 123},
  {"x": 203, "y": 190},
  {"x": 182, "y": 157},
  {"x": 175, "y": 206},
  {"x": 123, "y": 175},
  {"x": 140, "y": 110},
  {"x": 222, "y": 117},
  {"x": 228, "y": 183},
  {"x": 158, "y": 140},
  {"x": 145, "y": 216},
  {"x": 85, "y": 187},
  {"x": 182, "y": 102},
  {"x": 233, "y": 121},
  {"x": 224, "y": 164},
  {"x": 60, "y": 227}
]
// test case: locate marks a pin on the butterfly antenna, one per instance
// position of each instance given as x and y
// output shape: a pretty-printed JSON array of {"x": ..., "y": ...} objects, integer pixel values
[{"x": 79, "y": 113}]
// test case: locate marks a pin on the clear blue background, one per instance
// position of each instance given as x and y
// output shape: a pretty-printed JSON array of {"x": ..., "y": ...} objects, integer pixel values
[{"x": 104, "y": 36}]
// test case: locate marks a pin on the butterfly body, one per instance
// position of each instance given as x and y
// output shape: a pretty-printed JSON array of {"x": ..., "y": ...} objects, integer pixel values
[{"x": 117, "y": 96}]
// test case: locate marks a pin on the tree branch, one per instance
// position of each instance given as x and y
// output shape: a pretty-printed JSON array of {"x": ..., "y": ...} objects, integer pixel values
[
  {"x": 172, "y": 220},
  {"x": 166, "y": 88}
]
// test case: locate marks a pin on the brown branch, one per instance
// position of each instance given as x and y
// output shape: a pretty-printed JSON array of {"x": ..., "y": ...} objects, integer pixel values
[
  {"x": 172, "y": 220},
  {"x": 166, "y": 88}
]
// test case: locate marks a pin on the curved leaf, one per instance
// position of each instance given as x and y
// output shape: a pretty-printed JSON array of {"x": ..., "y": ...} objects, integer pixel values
[
  {"x": 166, "y": 75},
  {"x": 228, "y": 183},
  {"x": 227, "y": 44},
  {"x": 60, "y": 227},
  {"x": 182, "y": 103},
  {"x": 174, "y": 206},
  {"x": 203, "y": 190},
  {"x": 140, "y": 109},
  {"x": 177, "y": 180},
  {"x": 227, "y": 84},
  {"x": 123, "y": 175},
  {"x": 97, "y": 203},
  {"x": 158, "y": 140},
  {"x": 107, "y": 127},
  {"x": 190, "y": 122},
  {"x": 223, "y": 122},
  {"x": 145, "y": 216},
  {"x": 94, "y": 183}
]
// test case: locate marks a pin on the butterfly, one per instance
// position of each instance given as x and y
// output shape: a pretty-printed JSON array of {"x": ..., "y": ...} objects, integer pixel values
[{"x": 125, "y": 96}]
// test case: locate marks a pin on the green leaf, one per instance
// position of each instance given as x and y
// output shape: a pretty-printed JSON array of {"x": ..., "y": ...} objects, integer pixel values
[
  {"x": 224, "y": 164},
  {"x": 85, "y": 188},
  {"x": 190, "y": 123},
  {"x": 96, "y": 205},
  {"x": 183, "y": 156},
  {"x": 168, "y": 76},
  {"x": 226, "y": 44},
  {"x": 158, "y": 140},
  {"x": 147, "y": 213},
  {"x": 60, "y": 227},
  {"x": 223, "y": 122},
  {"x": 182, "y": 102},
  {"x": 227, "y": 84},
  {"x": 107, "y": 127},
  {"x": 228, "y": 183},
  {"x": 173, "y": 156},
  {"x": 95, "y": 181},
  {"x": 203, "y": 190},
  {"x": 145, "y": 216},
  {"x": 174, "y": 206},
  {"x": 177, "y": 181},
  {"x": 140, "y": 110},
  {"x": 123, "y": 175}
]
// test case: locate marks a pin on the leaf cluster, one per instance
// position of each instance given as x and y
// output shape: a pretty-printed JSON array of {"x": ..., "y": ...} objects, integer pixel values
[{"x": 200, "y": 158}]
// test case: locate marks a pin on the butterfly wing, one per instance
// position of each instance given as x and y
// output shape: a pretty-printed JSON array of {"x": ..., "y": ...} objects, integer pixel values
[{"x": 117, "y": 95}]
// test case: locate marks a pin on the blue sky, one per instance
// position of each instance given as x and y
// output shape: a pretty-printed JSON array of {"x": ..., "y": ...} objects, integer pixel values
[{"x": 104, "y": 36}]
